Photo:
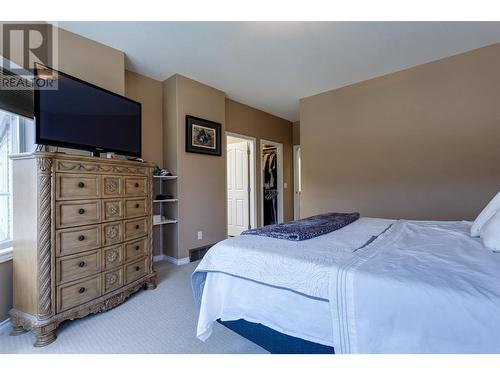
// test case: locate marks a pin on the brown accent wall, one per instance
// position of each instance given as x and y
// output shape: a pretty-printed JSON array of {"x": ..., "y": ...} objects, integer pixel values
[
  {"x": 149, "y": 93},
  {"x": 201, "y": 186},
  {"x": 296, "y": 133},
  {"x": 245, "y": 120},
  {"x": 422, "y": 143}
]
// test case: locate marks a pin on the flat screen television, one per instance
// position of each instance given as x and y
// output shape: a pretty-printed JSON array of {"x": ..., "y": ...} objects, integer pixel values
[{"x": 81, "y": 115}]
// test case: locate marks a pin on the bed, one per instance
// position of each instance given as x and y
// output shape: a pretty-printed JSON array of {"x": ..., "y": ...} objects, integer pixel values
[{"x": 374, "y": 286}]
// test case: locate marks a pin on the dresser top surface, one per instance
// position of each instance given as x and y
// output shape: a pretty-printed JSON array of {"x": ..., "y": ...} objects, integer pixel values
[{"x": 81, "y": 158}]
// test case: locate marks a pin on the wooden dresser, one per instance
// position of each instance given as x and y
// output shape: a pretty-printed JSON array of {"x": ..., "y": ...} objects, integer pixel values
[{"x": 82, "y": 238}]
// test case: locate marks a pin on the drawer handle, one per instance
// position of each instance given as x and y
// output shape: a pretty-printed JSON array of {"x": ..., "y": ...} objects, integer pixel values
[
  {"x": 81, "y": 211},
  {"x": 137, "y": 268},
  {"x": 81, "y": 290},
  {"x": 81, "y": 264},
  {"x": 137, "y": 205},
  {"x": 81, "y": 184},
  {"x": 81, "y": 237},
  {"x": 136, "y": 185},
  {"x": 137, "y": 226},
  {"x": 137, "y": 247}
]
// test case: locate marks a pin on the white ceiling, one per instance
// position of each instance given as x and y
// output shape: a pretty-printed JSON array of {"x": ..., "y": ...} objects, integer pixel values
[{"x": 271, "y": 65}]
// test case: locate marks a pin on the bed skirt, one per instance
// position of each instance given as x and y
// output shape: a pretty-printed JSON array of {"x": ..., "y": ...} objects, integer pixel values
[{"x": 273, "y": 341}]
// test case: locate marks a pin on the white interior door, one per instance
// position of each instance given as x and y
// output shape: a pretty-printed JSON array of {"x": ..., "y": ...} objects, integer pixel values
[{"x": 238, "y": 195}]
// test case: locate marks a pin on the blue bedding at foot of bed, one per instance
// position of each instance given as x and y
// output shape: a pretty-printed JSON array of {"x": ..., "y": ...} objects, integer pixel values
[
  {"x": 305, "y": 229},
  {"x": 273, "y": 341}
]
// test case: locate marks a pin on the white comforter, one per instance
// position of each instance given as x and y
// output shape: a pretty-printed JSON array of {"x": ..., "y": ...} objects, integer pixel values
[{"x": 420, "y": 287}]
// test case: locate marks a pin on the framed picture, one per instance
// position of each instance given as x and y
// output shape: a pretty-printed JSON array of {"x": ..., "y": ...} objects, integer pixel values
[{"x": 203, "y": 136}]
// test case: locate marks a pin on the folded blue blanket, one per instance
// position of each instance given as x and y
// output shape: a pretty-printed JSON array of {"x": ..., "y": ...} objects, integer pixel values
[{"x": 307, "y": 228}]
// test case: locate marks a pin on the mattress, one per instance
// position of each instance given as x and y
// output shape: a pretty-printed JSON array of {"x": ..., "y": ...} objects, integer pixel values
[{"x": 228, "y": 297}]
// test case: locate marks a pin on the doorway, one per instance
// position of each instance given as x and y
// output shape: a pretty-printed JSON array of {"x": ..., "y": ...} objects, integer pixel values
[
  {"x": 297, "y": 185},
  {"x": 271, "y": 157},
  {"x": 240, "y": 183}
]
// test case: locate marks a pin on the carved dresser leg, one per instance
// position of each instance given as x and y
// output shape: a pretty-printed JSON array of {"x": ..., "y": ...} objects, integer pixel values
[
  {"x": 17, "y": 330},
  {"x": 150, "y": 284},
  {"x": 45, "y": 338}
]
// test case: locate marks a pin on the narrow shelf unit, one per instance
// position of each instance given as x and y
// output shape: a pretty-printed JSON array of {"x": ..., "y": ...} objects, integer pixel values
[
  {"x": 165, "y": 200},
  {"x": 168, "y": 221},
  {"x": 166, "y": 177},
  {"x": 167, "y": 209}
]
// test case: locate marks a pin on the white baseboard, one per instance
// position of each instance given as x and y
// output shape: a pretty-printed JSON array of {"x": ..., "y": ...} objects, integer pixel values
[
  {"x": 5, "y": 325},
  {"x": 158, "y": 258},
  {"x": 177, "y": 262}
]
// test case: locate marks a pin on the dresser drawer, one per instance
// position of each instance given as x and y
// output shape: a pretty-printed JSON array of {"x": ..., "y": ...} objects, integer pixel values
[
  {"x": 112, "y": 209},
  {"x": 112, "y": 280},
  {"x": 73, "y": 213},
  {"x": 74, "y": 186},
  {"x": 75, "y": 240},
  {"x": 112, "y": 186},
  {"x": 136, "y": 228},
  {"x": 112, "y": 257},
  {"x": 112, "y": 233},
  {"x": 78, "y": 292},
  {"x": 135, "y": 186},
  {"x": 75, "y": 267},
  {"x": 136, "y": 249},
  {"x": 135, "y": 270},
  {"x": 135, "y": 207}
]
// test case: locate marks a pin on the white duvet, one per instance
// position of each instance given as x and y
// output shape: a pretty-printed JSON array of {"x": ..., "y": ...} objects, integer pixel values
[{"x": 420, "y": 287}]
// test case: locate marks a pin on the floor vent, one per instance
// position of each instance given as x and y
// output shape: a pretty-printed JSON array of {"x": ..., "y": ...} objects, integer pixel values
[{"x": 198, "y": 253}]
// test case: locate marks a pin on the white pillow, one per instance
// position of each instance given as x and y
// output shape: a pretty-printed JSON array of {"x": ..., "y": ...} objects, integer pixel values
[
  {"x": 485, "y": 215},
  {"x": 490, "y": 233}
]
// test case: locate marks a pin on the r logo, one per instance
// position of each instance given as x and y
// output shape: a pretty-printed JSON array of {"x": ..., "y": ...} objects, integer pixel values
[{"x": 26, "y": 44}]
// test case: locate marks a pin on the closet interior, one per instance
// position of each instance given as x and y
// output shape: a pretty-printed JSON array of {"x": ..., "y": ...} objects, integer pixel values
[{"x": 270, "y": 184}]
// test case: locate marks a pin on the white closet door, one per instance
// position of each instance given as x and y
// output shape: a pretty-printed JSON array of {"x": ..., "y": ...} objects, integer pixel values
[{"x": 238, "y": 197}]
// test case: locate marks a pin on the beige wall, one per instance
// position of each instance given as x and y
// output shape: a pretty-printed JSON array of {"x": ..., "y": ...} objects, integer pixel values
[
  {"x": 296, "y": 133},
  {"x": 422, "y": 143},
  {"x": 92, "y": 62},
  {"x": 245, "y": 120},
  {"x": 201, "y": 183},
  {"x": 149, "y": 93}
]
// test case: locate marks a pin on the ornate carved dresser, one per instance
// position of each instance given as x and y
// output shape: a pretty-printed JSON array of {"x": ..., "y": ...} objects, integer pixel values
[{"x": 82, "y": 238}]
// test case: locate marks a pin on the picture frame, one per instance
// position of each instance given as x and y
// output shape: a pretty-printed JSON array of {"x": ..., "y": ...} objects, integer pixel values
[{"x": 203, "y": 136}]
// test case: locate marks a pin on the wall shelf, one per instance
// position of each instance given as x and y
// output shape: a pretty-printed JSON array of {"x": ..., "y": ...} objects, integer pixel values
[
  {"x": 166, "y": 177},
  {"x": 168, "y": 221},
  {"x": 165, "y": 200}
]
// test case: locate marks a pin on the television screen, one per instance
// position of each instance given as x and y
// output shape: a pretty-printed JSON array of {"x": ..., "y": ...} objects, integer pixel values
[{"x": 80, "y": 115}]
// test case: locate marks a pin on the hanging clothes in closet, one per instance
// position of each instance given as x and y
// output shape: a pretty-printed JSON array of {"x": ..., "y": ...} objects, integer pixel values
[{"x": 270, "y": 185}]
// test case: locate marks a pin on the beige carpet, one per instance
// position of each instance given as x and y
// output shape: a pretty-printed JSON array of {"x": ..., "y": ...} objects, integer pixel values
[{"x": 158, "y": 321}]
